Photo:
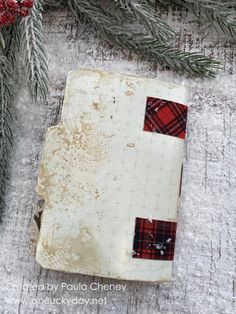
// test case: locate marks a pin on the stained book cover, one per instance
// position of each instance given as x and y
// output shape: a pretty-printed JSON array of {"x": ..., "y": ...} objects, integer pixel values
[{"x": 110, "y": 177}]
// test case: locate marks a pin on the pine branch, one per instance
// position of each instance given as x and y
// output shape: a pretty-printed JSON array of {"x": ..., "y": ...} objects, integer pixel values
[
  {"x": 143, "y": 44},
  {"x": 8, "y": 75},
  {"x": 221, "y": 15},
  {"x": 6, "y": 107},
  {"x": 144, "y": 12},
  {"x": 54, "y": 3},
  {"x": 11, "y": 37},
  {"x": 27, "y": 36},
  {"x": 35, "y": 56}
]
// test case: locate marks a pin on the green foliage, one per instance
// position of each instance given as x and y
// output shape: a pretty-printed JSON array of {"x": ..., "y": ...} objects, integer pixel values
[
  {"x": 217, "y": 14},
  {"x": 6, "y": 108},
  {"x": 146, "y": 15},
  {"x": 144, "y": 43},
  {"x": 25, "y": 39},
  {"x": 54, "y": 3},
  {"x": 32, "y": 44}
]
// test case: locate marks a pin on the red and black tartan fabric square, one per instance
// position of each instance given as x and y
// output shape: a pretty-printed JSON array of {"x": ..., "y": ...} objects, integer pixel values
[
  {"x": 165, "y": 117},
  {"x": 154, "y": 239}
]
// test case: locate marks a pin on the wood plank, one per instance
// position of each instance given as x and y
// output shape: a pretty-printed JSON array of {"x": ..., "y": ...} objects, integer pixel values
[{"x": 204, "y": 268}]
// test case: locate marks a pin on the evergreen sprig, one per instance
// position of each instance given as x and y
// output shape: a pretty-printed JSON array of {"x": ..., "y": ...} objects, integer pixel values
[
  {"x": 217, "y": 14},
  {"x": 6, "y": 108},
  {"x": 142, "y": 43},
  {"x": 8, "y": 75},
  {"x": 146, "y": 15},
  {"x": 32, "y": 44},
  {"x": 55, "y": 3},
  {"x": 25, "y": 37}
]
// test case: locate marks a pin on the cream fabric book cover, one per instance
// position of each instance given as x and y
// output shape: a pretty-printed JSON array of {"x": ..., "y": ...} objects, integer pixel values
[{"x": 110, "y": 176}]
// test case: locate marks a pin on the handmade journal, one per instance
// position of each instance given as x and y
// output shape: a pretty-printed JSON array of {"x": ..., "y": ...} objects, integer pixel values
[{"x": 110, "y": 177}]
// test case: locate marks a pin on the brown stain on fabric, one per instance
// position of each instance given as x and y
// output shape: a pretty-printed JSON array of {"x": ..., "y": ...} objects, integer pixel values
[
  {"x": 97, "y": 194},
  {"x": 131, "y": 145},
  {"x": 130, "y": 84},
  {"x": 85, "y": 247},
  {"x": 129, "y": 93},
  {"x": 73, "y": 153},
  {"x": 97, "y": 106}
]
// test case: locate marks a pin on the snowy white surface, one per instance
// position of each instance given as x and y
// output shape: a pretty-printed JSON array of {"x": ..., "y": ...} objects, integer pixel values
[{"x": 204, "y": 268}]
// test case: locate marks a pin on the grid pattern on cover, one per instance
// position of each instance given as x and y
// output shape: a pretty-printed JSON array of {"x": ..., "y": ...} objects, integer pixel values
[{"x": 100, "y": 170}]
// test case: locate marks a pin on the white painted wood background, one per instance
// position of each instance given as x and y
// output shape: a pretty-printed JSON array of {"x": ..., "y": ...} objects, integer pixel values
[{"x": 204, "y": 268}]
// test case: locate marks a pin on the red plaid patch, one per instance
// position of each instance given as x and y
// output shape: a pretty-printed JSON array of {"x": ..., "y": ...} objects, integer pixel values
[
  {"x": 165, "y": 117},
  {"x": 154, "y": 239}
]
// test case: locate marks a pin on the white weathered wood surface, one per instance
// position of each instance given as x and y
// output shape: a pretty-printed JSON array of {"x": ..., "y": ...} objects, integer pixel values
[{"x": 204, "y": 268}]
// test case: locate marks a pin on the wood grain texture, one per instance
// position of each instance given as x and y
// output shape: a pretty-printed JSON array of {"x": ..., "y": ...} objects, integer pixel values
[{"x": 204, "y": 268}]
